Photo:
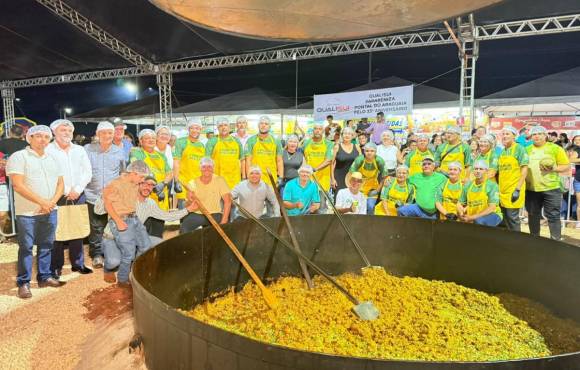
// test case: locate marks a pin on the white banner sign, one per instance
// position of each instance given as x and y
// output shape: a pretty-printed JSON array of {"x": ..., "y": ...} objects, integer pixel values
[{"x": 397, "y": 101}]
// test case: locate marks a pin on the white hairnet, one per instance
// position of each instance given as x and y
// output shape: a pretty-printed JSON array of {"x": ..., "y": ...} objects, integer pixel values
[
  {"x": 59, "y": 122},
  {"x": 38, "y": 129}
]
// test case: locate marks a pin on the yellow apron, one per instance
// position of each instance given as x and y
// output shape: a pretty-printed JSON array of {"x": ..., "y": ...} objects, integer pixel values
[
  {"x": 416, "y": 161},
  {"x": 264, "y": 156},
  {"x": 478, "y": 201},
  {"x": 487, "y": 159},
  {"x": 157, "y": 166},
  {"x": 370, "y": 177},
  {"x": 315, "y": 154},
  {"x": 450, "y": 199},
  {"x": 509, "y": 175},
  {"x": 393, "y": 195},
  {"x": 452, "y": 157},
  {"x": 226, "y": 155},
  {"x": 189, "y": 165}
]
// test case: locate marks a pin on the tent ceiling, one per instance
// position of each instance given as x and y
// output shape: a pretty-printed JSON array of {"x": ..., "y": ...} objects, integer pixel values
[{"x": 36, "y": 42}]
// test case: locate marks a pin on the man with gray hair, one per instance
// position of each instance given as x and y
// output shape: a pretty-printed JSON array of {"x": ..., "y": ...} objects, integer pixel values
[
  {"x": 211, "y": 190},
  {"x": 301, "y": 196},
  {"x": 253, "y": 194},
  {"x": 77, "y": 174},
  {"x": 107, "y": 163},
  {"x": 38, "y": 185},
  {"x": 120, "y": 197}
]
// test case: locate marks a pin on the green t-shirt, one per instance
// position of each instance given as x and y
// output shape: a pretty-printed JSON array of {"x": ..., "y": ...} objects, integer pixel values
[
  {"x": 450, "y": 186},
  {"x": 181, "y": 144},
  {"x": 328, "y": 151},
  {"x": 490, "y": 158},
  {"x": 360, "y": 162},
  {"x": 426, "y": 188},
  {"x": 138, "y": 154},
  {"x": 491, "y": 189},
  {"x": 269, "y": 139},
  {"x": 538, "y": 181},
  {"x": 211, "y": 143},
  {"x": 519, "y": 153}
]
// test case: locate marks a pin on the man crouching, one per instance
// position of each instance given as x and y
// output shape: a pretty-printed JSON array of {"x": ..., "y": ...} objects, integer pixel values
[{"x": 120, "y": 198}]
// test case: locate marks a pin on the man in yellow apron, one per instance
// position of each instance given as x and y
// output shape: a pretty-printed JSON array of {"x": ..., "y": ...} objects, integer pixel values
[
  {"x": 453, "y": 151},
  {"x": 414, "y": 160},
  {"x": 547, "y": 162},
  {"x": 487, "y": 153},
  {"x": 318, "y": 154},
  {"x": 187, "y": 153},
  {"x": 227, "y": 153},
  {"x": 395, "y": 194},
  {"x": 512, "y": 171},
  {"x": 479, "y": 202},
  {"x": 265, "y": 151},
  {"x": 373, "y": 171},
  {"x": 448, "y": 196}
]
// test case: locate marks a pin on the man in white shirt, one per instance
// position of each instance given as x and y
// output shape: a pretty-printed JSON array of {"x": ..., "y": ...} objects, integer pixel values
[
  {"x": 253, "y": 194},
  {"x": 77, "y": 172},
  {"x": 352, "y": 200},
  {"x": 38, "y": 184}
]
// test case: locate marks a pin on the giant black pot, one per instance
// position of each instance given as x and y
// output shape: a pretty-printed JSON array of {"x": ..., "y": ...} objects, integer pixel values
[{"x": 184, "y": 270}]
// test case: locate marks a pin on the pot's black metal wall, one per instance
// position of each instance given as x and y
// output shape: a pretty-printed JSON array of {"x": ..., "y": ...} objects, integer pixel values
[{"x": 186, "y": 269}]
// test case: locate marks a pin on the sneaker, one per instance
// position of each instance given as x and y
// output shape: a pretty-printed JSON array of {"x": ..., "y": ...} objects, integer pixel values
[
  {"x": 98, "y": 262},
  {"x": 24, "y": 291},
  {"x": 50, "y": 282},
  {"x": 110, "y": 277}
]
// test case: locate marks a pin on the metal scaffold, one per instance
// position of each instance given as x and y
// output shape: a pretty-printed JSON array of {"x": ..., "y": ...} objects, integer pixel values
[
  {"x": 165, "y": 83},
  {"x": 8, "y": 97},
  {"x": 468, "y": 54}
]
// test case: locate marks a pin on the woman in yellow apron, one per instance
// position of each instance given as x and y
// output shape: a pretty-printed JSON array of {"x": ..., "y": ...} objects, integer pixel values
[
  {"x": 396, "y": 194},
  {"x": 227, "y": 153},
  {"x": 315, "y": 154},
  {"x": 264, "y": 152},
  {"x": 415, "y": 159},
  {"x": 453, "y": 151},
  {"x": 478, "y": 197},
  {"x": 372, "y": 169},
  {"x": 448, "y": 197},
  {"x": 512, "y": 170},
  {"x": 487, "y": 153},
  {"x": 157, "y": 163}
]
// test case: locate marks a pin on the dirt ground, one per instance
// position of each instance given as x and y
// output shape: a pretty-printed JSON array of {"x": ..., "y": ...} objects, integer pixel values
[{"x": 85, "y": 324}]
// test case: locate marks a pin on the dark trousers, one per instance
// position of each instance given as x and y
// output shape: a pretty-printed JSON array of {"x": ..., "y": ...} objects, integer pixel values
[
  {"x": 98, "y": 223},
  {"x": 192, "y": 221},
  {"x": 511, "y": 218},
  {"x": 154, "y": 227},
  {"x": 549, "y": 200},
  {"x": 75, "y": 247}
]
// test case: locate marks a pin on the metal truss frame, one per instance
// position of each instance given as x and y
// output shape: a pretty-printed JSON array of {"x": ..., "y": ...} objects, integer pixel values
[
  {"x": 104, "y": 38},
  {"x": 165, "y": 82},
  {"x": 530, "y": 27},
  {"x": 8, "y": 97}
]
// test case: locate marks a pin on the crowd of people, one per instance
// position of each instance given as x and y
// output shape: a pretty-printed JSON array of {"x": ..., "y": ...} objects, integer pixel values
[{"x": 132, "y": 189}]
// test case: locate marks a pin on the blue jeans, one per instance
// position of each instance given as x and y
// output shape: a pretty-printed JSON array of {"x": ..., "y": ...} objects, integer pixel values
[
  {"x": 132, "y": 241},
  {"x": 113, "y": 253},
  {"x": 413, "y": 210},
  {"x": 490, "y": 220},
  {"x": 33, "y": 230},
  {"x": 371, "y": 203}
]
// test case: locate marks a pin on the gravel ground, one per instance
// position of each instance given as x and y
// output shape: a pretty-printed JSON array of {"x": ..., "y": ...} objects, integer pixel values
[{"x": 86, "y": 324}]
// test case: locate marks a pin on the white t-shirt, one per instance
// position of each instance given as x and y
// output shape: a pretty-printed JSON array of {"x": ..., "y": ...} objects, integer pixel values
[
  {"x": 40, "y": 175},
  {"x": 345, "y": 199},
  {"x": 389, "y": 155}
]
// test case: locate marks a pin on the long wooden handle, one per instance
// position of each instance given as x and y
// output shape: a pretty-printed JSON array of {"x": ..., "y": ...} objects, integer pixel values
[
  {"x": 266, "y": 293},
  {"x": 293, "y": 238}
]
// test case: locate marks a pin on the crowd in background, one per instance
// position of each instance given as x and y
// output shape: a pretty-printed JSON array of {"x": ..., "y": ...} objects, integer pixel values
[{"x": 132, "y": 187}]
